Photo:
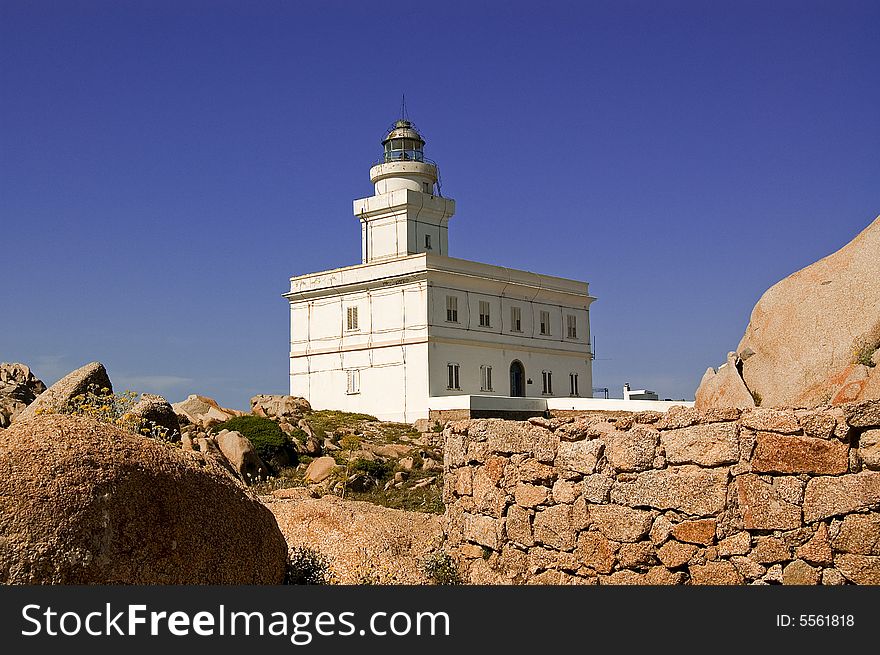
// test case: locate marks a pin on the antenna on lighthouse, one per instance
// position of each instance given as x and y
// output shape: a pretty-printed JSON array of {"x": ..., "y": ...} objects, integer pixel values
[{"x": 403, "y": 115}]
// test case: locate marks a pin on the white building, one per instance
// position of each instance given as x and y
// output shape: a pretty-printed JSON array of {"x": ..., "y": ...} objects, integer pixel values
[
  {"x": 638, "y": 394},
  {"x": 411, "y": 324}
]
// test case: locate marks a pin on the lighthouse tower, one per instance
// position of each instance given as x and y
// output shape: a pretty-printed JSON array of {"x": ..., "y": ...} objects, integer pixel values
[{"x": 406, "y": 215}]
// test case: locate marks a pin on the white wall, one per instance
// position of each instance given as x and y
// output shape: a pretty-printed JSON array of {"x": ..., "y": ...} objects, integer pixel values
[
  {"x": 471, "y": 357},
  {"x": 484, "y": 402},
  {"x": 393, "y": 381},
  {"x": 388, "y": 348}
]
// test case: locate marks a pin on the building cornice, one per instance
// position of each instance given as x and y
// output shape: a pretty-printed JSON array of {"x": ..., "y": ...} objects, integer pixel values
[
  {"x": 424, "y": 266},
  {"x": 579, "y": 352}
]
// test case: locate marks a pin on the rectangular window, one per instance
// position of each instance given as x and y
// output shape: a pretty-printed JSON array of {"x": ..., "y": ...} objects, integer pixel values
[
  {"x": 547, "y": 380},
  {"x": 352, "y": 318},
  {"x": 571, "y": 321},
  {"x": 486, "y": 378},
  {"x": 515, "y": 319},
  {"x": 452, "y": 376},
  {"x": 545, "y": 322},
  {"x": 427, "y": 242},
  {"x": 452, "y": 309},
  {"x": 353, "y": 384},
  {"x": 484, "y": 314},
  {"x": 573, "y": 382}
]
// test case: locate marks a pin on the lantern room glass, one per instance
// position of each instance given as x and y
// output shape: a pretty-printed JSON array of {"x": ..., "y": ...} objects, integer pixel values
[{"x": 404, "y": 150}]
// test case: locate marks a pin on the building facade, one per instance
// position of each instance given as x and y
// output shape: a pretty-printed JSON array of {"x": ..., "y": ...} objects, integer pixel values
[{"x": 410, "y": 323}]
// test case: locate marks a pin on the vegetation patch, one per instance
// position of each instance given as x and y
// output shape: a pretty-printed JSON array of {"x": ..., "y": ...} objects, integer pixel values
[
  {"x": 376, "y": 469},
  {"x": 756, "y": 397},
  {"x": 863, "y": 351},
  {"x": 306, "y": 566},
  {"x": 427, "y": 499},
  {"x": 440, "y": 569},
  {"x": 392, "y": 432},
  {"x": 105, "y": 406},
  {"x": 268, "y": 439},
  {"x": 327, "y": 421}
]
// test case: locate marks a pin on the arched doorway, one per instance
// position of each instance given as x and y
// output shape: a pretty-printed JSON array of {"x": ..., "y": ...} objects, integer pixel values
[{"x": 517, "y": 379}]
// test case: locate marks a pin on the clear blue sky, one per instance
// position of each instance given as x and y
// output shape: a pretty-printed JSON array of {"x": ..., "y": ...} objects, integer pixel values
[{"x": 165, "y": 167}]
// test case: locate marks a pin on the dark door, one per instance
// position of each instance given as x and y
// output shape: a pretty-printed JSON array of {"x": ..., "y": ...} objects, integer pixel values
[{"x": 517, "y": 379}]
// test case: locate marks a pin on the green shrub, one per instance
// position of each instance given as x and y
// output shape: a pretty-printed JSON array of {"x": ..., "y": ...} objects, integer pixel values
[
  {"x": 377, "y": 470},
  {"x": 265, "y": 434},
  {"x": 441, "y": 570},
  {"x": 307, "y": 566},
  {"x": 863, "y": 351}
]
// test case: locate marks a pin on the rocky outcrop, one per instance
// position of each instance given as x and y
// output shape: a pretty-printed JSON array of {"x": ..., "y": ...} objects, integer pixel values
[
  {"x": 83, "y": 502},
  {"x": 91, "y": 377},
  {"x": 813, "y": 338},
  {"x": 725, "y": 496},
  {"x": 18, "y": 389},
  {"x": 155, "y": 411},
  {"x": 724, "y": 387},
  {"x": 230, "y": 450},
  {"x": 289, "y": 413},
  {"x": 365, "y": 543},
  {"x": 203, "y": 411},
  {"x": 280, "y": 407}
]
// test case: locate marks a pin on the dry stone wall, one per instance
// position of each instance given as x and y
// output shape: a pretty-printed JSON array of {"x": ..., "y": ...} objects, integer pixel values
[{"x": 762, "y": 496}]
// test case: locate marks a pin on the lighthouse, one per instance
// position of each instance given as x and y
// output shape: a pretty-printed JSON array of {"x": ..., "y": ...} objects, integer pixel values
[
  {"x": 412, "y": 332},
  {"x": 406, "y": 215}
]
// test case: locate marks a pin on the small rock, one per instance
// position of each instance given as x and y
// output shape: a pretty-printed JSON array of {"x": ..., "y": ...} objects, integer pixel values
[
  {"x": 860, "y": 569},
  {"x": 832, "y": 577},
  {"x": 818, "y": 549},
  {"x": 320, "y": 469},
  {"x": 636, "y": 555},
  {"x": 828, "y": 496},
  {"x": 869, "y": 448},
  {"x": 240, "y": 453},
  {"x": 695, "y": 532},
  {"x": 799, "y": 572},
  {"x": 596, "y": 552},
  {"x": 747, "y": 568},
  {"x": 660, "y": 530},
  {"x": 721, "y": 572},
  {"x": 529, "y": 495},
  {"x": 769, "y": 550},
  {"x": 724, "y": 388},
  {"x": 737, "y": 544},
  {"x": 774, "y": 574},
  {"x": 621, "y": 523},
  {"x": 775, "y": 453},
  {"x": 858, "y": 534},
  {"x": 156, "y": 412},
  {"x": 771, "y": 420},
  {"x": 674, "y": 554}
]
